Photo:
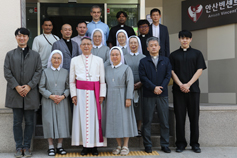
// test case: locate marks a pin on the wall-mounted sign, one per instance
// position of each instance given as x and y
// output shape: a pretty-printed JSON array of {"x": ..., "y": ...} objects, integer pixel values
[
  {"x": 35, "y": 9},
  {"x": 208, "y": 13},
  {"x": 148, "y": 18}
]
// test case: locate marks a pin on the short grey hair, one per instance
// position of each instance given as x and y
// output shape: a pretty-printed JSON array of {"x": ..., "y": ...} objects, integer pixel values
[
  {"x": 95, "y": 6},
  {"x": 152, "y": 39}
]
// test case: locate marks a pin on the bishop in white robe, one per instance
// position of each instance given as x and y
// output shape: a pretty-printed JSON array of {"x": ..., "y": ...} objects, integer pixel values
[{"x": 88, "y": 89}]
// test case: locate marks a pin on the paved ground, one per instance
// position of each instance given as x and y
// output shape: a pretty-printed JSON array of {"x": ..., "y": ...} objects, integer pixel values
[{"x": 207, "y": 152}]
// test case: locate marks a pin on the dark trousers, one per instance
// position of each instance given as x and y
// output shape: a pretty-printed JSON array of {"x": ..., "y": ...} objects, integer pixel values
[
  {"x": 18, "y": 115},
  {"x": 149, "y": 104},
  {"x": 186, "y": 102}
]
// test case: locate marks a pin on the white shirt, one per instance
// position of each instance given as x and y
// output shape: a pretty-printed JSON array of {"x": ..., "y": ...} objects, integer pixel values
[
  {"x": 134, "y": 53},
  {"x": 156, "y": 31},
  {"x": 53, "y": 68},
  {"x": 98, "y": 46},
  {"x": 116, "y": 65},
  {"x": 41, "y": 45},
  {"x": 123, "y": 46}
]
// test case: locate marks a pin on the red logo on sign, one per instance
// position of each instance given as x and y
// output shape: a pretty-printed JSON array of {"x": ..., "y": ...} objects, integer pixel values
[
  {"x": 35, "y": 9},
  {"x": 194, "y": 13}
]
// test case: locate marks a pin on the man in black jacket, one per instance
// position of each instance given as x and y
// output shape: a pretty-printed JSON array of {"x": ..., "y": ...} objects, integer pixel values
[{"x": 155, "y": 73}]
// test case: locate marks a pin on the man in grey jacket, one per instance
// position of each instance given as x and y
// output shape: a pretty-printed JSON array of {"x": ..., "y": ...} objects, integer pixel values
[
  {"x": 68, "y": 47},
  {"x": 22, "y": 70}
]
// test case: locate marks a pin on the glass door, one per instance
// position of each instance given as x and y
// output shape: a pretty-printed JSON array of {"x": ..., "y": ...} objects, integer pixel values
[
  {"x": 69, "y": 13},
  {"x": 59, "y": 13},
  {"x": 31, "y": 21}
]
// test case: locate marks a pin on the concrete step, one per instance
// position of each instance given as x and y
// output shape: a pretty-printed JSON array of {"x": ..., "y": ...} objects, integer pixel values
[
  {"x": 155, "y": 130},
  {"x": 39, "y": 143}
]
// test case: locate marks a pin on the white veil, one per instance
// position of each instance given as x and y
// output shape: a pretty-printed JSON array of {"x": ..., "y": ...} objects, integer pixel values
[
  {"x": 121, "y": 53},
  {"x": 50, "y": 57},
  {"x": 102, "y": 33},
  {"x": 121, "y": 30},
  {"x": 139, "y": 44}
]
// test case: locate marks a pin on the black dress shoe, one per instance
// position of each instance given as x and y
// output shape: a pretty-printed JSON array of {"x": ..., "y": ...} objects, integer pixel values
[
  {"x": 94, "y": 151},
  {"x": 179, "y": 149},
  {"x": 196, "y": 149},
  {"x": 84, "y": 151},
  {"x": 166, "y": 149},
  {"x": 148, "y": 149}
]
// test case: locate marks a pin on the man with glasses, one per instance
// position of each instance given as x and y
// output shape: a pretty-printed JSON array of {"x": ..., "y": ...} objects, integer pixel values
[
  {"x": 143, "y": 28},
  {"x": 88, "y": 89},
  {"x": 96, "y": 23}
]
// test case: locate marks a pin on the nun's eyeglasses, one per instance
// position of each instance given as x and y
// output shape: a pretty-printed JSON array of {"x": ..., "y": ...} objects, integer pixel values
[
  {"x": 56, "y": 58},
  {"x": 86, "y": 44}
]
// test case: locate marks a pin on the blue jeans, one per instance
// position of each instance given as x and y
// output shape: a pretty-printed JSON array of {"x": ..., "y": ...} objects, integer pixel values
[
  {"x": 29, "y": 115},
  {"x": 149, "y": 105}
]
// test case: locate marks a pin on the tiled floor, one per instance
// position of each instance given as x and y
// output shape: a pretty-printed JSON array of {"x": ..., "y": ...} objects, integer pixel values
[{"x": 207, "y": 152}]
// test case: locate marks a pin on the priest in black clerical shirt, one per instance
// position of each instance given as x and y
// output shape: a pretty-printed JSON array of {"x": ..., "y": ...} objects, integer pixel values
[
  {"x": 68, "y": 47},
  {"x": 187, "y": 66},
  {"x": 143, "y": 27},
  {"x": 121, "y": 18}
]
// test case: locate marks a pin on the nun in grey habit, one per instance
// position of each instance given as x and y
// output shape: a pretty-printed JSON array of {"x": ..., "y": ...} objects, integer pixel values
[
  {"x": 121, "y": 40},
  {"x": 132, "y": 59},
  {"x": 99, "y": 49},
  {"x": 56, "y": 116},
  {"x": 120, "y": 117}
]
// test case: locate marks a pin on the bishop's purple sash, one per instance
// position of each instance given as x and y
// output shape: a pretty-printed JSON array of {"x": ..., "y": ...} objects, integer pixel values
[{"x": 95, "y": 86}]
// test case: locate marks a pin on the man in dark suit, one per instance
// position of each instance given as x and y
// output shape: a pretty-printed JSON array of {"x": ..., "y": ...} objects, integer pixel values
[
  {"x": 68, "y": 47},
  {"x": 160, "y": 31},
  {"x": 155, "y": 73}
]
